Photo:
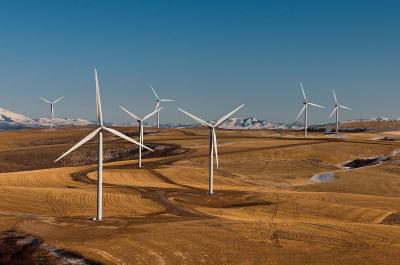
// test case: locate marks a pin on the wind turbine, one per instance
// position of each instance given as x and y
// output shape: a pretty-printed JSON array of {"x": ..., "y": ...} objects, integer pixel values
[
  {"x": 51, "y": 108},
  {"x": 158, "y": 100},
  {"x": 336, "y": 110},
  {"x": 99, "y": 131},
  {"x": 306, "y": 103},
  {"x": 140, "y": 121},
  {"x": 213, "y": 143}
]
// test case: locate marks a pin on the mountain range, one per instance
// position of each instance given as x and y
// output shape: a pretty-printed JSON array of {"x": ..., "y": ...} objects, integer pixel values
[{"x": 14, "y": 121}]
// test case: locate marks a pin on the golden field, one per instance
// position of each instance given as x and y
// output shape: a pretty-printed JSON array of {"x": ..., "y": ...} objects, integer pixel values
[{"x": 266, "y": 210}]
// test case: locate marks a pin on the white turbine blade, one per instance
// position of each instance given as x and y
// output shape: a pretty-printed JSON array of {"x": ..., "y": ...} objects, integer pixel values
[
  {"x": 227, "y": 115},
  {"x": 196, "y": 118},
  {"x": 302, "y": 90},
  {"x": 333, "y": 112},
  {"x": 155, "y": 94},
  {"x": 141, "y": 136},
  {"x": 334, "y": 95},
  {"x": 157, "y": 106},
  {"x": 98, "y": 100},
  {"x": 167, "y": 100},
  {"x": 45, "y": 100},
  {"x": 313, "y": 104},
  {"x": 151, "y": 114},
  {"x": 55, "y": 101},
  {"x": 215, "y": 146},
  {"x": 81, "y": 142},
  {"x": 301, "y": 112},
  {"x": 130, "y": 113},
  {"x": 345, "y": 107},
  {"x": 123, "y": 136}
]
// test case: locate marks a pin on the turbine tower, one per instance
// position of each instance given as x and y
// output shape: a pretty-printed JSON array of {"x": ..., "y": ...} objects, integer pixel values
[
  {"x": 336, "y": 110},
  {"x": 51, "y": 108},
  {"x": 158, "y": 100},
  {"x": 140, "y": 121},
  {"x": 99, "y": 131},
  {"x": 306, "y": 103},
  {"x": 213, "y": 143}
]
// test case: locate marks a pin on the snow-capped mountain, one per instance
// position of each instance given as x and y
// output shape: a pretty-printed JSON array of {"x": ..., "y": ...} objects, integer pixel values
[
  {"x": 13, "y": 121},
  {"x": 254, "y": 123},
  {"x": 232, "y": 123},
  {"x": 374, "y": 119}
]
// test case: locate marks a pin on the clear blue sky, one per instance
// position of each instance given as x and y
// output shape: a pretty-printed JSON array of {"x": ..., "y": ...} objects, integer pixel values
[{"x": 208, "y": 55}]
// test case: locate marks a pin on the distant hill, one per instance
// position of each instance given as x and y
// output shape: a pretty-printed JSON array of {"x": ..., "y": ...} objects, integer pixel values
[{"x": 14, "y": 121}]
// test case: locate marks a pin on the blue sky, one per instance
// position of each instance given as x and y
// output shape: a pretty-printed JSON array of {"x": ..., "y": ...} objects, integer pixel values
[{"x": 208, "y": 55}]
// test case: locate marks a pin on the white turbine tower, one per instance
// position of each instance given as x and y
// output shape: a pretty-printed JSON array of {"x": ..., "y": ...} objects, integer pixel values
[
  {"x": 306, "y": 103},
  {"x": 213, "y": 143},
  {"x": 158, "y": 100},
  {"x": 140, "y": 121},
  {"x": 336, "y": 110},
  {"x": 51, "y": 108},
  {"x": 99, "y": 131}
]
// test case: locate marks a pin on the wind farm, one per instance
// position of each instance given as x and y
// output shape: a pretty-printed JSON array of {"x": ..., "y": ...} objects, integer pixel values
[{"x": 176, "y": 140}]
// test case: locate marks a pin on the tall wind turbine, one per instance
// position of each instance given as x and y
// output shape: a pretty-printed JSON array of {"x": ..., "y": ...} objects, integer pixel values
[
  {"x": 336, "y": 110},
  {"x": 51, "y": 108},
  {"x": 99, "y": 131},
  {"x": 213, "y": 143},
  {"x": 306, "y": 103},
  {"x": 158, "y": 100},
  {"x": 140, "y": 121}
]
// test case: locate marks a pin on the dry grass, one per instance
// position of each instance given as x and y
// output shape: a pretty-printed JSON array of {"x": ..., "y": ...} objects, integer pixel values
[{"x": 265, "y": 211}]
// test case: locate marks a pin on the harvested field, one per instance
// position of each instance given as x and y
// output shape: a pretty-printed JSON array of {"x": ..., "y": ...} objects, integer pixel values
[{"x": 266, "y": 209}]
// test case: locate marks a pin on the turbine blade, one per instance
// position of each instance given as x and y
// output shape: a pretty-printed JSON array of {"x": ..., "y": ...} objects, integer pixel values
[
  {"x": 141, "y": 134},
  {"x": 123, "y": 136},
  {"x": 98, "y": 100},
  {"x": 313, "y": 104},
  {"x": 302, "y": 90},
  {"x": 302, "y": 110},
  {"x": 167, "y": 100},
  {"x": 155, "y": 94},
  {"x": 334, "y": 95},
  {"x": 227, "y": 116},
  {"x": 345, "y": 107},
  {"x": 81, "y": 142},
  {"x": 196, "y": 118},
  {"x": 45, "y": 100},
  {"x": 151, "y": 114},
  {"x": 215, "y": 146},
  {"x": 333, "y": 112},
  {"x": 55, "y": 101},
  {"x": 130, "y": 113},
  {"x": 157, "y": 106}
]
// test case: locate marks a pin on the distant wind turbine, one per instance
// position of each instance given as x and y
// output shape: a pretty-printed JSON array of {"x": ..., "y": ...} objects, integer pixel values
[
  {"x": 158, "y": 100},
  {"x": 99, "y": 131},
  {"x": 51, "y": 108},
  {"x": 306, "y": 103},
  {"x": 336, "y": 110},
  {"x": 213, "y": 143},
  {"x": 140, "y": 121}
]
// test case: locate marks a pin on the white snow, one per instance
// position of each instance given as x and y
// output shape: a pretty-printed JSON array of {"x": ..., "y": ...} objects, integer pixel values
[{"x": 11, "y": 121}]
